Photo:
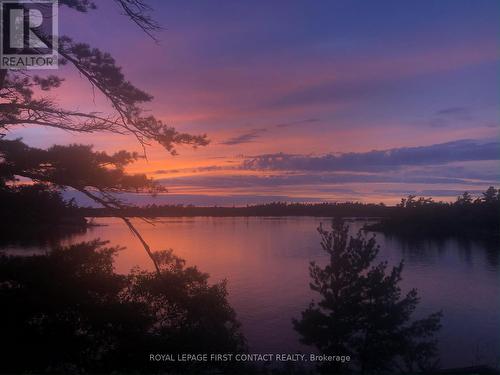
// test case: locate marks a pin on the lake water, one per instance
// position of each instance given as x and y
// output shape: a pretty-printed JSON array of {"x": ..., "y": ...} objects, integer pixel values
[{"x": 265, "y": 261}]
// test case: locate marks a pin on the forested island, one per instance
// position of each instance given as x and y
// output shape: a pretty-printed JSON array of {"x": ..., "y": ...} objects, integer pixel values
[{"x": 467, "y": 216}]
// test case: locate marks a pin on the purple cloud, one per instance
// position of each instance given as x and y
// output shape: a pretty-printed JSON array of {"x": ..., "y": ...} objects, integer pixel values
[{"x": 385, "y": 160}]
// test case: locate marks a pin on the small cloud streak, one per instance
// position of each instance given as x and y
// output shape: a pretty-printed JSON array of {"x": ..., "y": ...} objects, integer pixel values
[
  {"x": 450, "y": 116},
  {"x": 251, "y": 136},
  {"x": 453, "y": 111},
  {"x": 295, "y": 123}
]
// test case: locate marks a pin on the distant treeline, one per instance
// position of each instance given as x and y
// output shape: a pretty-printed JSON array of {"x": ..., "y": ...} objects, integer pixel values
[
  {"x": 351, "y": 209},
  {"x": 468, "y": 215}
]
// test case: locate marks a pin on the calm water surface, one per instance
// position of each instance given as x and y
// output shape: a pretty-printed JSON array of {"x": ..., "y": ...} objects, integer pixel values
[{"x": 265, "y": 261}]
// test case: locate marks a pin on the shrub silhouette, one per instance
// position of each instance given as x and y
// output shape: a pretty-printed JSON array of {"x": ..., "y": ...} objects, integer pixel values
[
  {"x": 362, "y": 312},
  {"x": 69, "y": 312}
]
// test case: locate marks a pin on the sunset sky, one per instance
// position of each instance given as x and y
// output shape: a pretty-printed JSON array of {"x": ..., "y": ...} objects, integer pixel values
[{"x": 306, "y": 100}]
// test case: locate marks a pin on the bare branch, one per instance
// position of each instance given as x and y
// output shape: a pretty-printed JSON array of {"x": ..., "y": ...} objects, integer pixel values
[{"x": 137, "y": 11}]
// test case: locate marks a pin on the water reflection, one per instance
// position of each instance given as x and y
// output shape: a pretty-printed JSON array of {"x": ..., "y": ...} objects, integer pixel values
[
  {"x": 265, "y": 261},
  {"x": 427, "y": 249}
]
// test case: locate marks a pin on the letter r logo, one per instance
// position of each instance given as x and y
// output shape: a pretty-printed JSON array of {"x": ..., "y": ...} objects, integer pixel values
[
  {"x": 29, "y": 31},
  {"x": 21, "y": 19}
]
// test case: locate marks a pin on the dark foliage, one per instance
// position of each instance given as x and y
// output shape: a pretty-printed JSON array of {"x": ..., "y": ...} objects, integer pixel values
[
  {"x": 69, "y": 312},
  {"x": 37, "y": 213},
  {"x": 76, "y": 166},
  {"x": 467, "y": 216},
  {"x": 362, "y": 312}
]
